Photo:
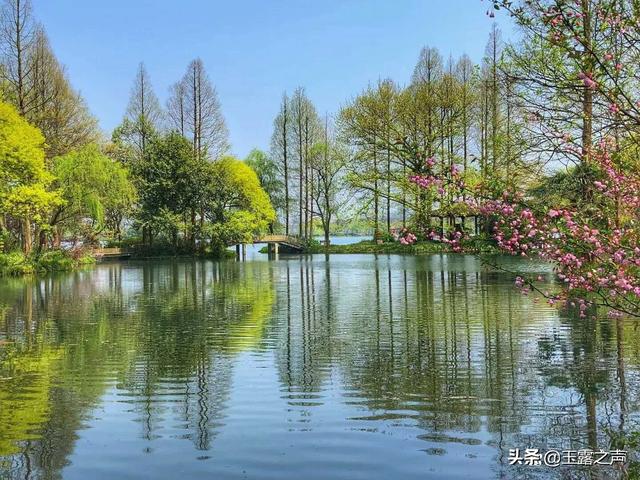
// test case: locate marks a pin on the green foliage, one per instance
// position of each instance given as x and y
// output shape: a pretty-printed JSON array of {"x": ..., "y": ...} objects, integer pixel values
[
  {"x": 18, "y": 263},
  {"x": 238, "y": 207},
  {"x": 54, "y": 260},
  {"x": 15, "y": 263},
  {"x": 476, "y": 245},
  {"x": 23, "y": 176},
  {"x": 21, "y": 150},
  {"x": 267, "y": 171},
  {"x": 191, "y": 204},
  {"x": 95, "y": 189},
  {"x": 170, "y": 182}
]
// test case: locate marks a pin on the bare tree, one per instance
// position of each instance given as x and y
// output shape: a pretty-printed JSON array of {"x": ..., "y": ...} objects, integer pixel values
[
  {"x": 203, "y": 119},
  {"x": 17, "y": 36},
  {"x": 177, "y": 107},
  {"x": 304, "y": 130},
  {"x": 280, "y": 150},
  {"x": 328, "y": 161},
  {"x": 54, "y": 106},
  {"x": 144, "y": 115}
]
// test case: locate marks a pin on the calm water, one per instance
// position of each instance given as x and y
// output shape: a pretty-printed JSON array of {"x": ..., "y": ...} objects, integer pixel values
[{"x": 356, "y": 367}]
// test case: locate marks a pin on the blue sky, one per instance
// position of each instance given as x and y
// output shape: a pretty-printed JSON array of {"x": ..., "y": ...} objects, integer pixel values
[{"x": 255, "y": 49}]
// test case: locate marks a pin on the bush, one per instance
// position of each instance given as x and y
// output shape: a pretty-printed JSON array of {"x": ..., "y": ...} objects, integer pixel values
[
  {"x": 129, "y": 242},
  {"x": 53, "y": 260},
  {"x": 15, "y": 263}
]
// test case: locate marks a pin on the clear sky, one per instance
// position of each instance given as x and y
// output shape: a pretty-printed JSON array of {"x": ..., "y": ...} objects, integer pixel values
[{"x": 255, "y": 49}]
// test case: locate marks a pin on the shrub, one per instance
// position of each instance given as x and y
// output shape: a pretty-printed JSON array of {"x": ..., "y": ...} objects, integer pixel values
[
  {"x": 15, "y": 263},
  {"x": 53, "y": 260}
]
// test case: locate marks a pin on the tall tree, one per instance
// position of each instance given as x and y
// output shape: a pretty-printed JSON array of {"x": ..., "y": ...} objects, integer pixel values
[
  {"x": 280, "y": 149},
  {"x": 203, "y": 120},
  {"x": 17, "y": 36},
  {"x": 144, "y": 115},
  {"x": 177, "y": 107},
  {"x": 328, "y": 161},
  {"x": 35, "y": 82},
  {"x": 56, "y": 108},
  {"x": 492, "y": 59},
  {"x": 464, "y": 71},
  {"x": 304, "y": 130}
]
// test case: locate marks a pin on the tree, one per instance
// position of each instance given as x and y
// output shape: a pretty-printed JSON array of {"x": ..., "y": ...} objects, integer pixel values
[
  {"x": 17, "y": 34},
  {"x": 267, "y": 171},
  {"x": 170, "y": 182},
  {"x": 24, "y": 180},
  {"x": 196, "y": 111},
  {"x": 237, "y": 208},
  {"x": 97, "y": 193},
  {"x": 554, "y": 68},
  {"x": 37, "y": 85},
  {"x": 464, "y": 71},
  {"x": 143, "y": 115},
  {"x": 280, "y": 148},
  {"x": 304, "y": 128},
  {"x": 328, "y": 160},
  {"x": 57, "y": 109},
  {"x": 177, "y": 108}
]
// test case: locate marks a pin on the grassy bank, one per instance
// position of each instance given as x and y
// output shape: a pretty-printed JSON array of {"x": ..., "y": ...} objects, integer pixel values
[
  {"x": 17, "y": 263},
  {"x": 159, "y": 250},
  {"x": 419, "y": 248}
]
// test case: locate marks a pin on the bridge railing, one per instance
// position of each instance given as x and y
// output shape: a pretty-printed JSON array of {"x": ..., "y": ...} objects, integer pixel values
[
  {"x": 283, "y": 239},
  {"x": 109, "y": 252}
]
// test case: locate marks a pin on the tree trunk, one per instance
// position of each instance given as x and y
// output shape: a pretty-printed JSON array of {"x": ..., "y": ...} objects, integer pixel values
[
  {"x": 26, "y": 236},
  {"x": 286, "y": 167}
]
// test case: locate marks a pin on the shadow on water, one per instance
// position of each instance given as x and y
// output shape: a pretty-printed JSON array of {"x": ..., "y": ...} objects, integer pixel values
[{"x": 343, "y": 367}]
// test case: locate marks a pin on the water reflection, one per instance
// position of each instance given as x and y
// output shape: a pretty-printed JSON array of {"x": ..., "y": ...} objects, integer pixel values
[{"x": 353, "y": 366}]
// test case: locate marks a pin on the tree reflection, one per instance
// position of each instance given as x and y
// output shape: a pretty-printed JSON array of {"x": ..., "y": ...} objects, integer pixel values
[
  {"x": 435, "y": 344},
  {"x": 67, "y": 340}
]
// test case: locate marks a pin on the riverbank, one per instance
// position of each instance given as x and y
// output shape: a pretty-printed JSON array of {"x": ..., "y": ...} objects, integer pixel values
[
  {"x": 419, "y": 248},
  {"x": 472, "y": 246},
  {"x": 17, "y": 263}
]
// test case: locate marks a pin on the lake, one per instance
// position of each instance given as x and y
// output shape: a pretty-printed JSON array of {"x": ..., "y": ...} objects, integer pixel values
[{"x": 347, "y": 367}]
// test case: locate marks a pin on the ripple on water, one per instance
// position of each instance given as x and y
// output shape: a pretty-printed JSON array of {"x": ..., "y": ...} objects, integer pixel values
[{"x": 356, "y": 367}]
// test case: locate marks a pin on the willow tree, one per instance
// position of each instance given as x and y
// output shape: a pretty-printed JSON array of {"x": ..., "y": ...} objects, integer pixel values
[
  {"x": 266, "y": 169},
  {"x": 237, "y": 207},
  {"x": 97, "y": 194}
]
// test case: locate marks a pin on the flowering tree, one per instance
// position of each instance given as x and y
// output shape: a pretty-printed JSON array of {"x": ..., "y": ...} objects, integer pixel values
[
  {"x": 582, "y": 83},
  {"x": 574, "y": 76},
  {"x": 595, "y": 250}
]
